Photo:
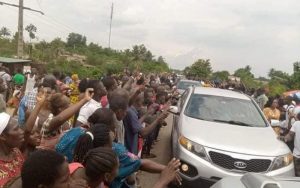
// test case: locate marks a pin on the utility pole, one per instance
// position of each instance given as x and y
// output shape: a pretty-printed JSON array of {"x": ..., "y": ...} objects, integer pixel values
[
  {"x": 111, "y": 17},
  {"x": 20, "y": 24},
  {"x": 20, "y": 30}
]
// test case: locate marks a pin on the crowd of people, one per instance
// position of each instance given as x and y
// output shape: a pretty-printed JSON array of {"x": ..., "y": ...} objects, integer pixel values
[
  {"x": 283, "y": 113},
  {"x": 68, "y": 131}
]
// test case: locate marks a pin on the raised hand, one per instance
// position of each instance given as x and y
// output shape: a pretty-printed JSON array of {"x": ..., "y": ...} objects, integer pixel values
[
  {"x": 89, "y": 93},
  {"x": 41, "y": 97},
  {"x": 170, "y": 173}
]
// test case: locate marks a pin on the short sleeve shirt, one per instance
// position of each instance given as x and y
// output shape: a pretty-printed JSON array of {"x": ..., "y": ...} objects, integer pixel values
[
  {"x": 6, "y": 77},
  {"x": 11, "y": 169},
  {"x": 30, "y": 101},
  {"x": 19, "y": 79},
  {"x": 129, "y": 163},
  {"x": 296, "y": 129},
  {"x": 87, "y": 110},
  {"x": 132, "y": 128}
]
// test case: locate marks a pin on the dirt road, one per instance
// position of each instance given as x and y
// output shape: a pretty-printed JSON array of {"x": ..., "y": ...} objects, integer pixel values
[{"x": 163, "y": 151}]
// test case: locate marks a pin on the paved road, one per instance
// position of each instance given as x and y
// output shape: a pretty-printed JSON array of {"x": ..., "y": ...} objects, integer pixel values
[{"x": 163, "y": 151}]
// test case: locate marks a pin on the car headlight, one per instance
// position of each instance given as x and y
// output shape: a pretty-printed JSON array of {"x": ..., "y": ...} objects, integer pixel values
[
  {"x": 193, "y": 147},
  {"x": 282, "y": 161}
]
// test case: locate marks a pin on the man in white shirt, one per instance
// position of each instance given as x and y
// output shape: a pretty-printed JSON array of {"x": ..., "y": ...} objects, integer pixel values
[
  {"x": 262, "y": 99},
  {"x": 87, "y": 110},
  {"x": 294, "y": 134},
  {"x": 90, "y": 107}
]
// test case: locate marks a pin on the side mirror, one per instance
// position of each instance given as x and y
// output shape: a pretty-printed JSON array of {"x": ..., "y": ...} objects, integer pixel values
[{"x": 174, "y": 110}]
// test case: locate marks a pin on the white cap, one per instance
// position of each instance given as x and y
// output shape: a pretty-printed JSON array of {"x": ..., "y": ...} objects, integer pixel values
[{"x": 4, "y": 119}]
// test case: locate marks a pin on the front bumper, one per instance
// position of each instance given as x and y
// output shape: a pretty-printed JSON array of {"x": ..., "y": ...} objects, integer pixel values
[{"x": 200, "y": 169}]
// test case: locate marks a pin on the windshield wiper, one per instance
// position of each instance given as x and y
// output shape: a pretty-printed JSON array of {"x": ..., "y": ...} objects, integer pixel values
[{"x": 233, "y": 122}]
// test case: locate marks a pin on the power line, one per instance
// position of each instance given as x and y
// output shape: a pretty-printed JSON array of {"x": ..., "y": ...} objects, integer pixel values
[
  {"x": 54, "y": 28},
  {"x": 39, "y": 4},
  {"x": 19, "y": 6},
  {"x": 20, "y": 23}
]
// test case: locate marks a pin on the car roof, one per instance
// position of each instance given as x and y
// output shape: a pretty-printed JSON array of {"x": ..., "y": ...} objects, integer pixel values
[
  {"x": 191, "y": 81},
  {"x": 220, "y": 92}
]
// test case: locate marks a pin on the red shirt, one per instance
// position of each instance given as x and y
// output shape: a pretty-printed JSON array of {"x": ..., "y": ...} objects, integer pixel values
[
  {"x": 12, "y": 168},
  {"x": 104, "y": 101}
]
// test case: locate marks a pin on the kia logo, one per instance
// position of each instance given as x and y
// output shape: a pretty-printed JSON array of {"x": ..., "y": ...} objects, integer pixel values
[{"x": 240, "y": 165}]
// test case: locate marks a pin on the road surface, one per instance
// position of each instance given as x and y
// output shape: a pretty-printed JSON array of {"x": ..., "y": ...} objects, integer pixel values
[{"x": 162, "y": 150}]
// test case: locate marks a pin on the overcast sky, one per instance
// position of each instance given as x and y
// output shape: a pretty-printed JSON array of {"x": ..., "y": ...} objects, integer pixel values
[{"x": 232, "y": 33}]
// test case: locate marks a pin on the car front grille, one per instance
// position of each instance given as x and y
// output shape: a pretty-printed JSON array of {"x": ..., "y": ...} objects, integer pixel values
[{"x": 228, "y": 162}]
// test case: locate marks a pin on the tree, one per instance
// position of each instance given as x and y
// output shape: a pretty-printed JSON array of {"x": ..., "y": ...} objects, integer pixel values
[
  {"x": 57, "y": 46},
  {"x": 4, "y": 32},
  {"x": 244, "y": 73},
  {"x": 141, "y": 53},
  {"x": 221, "y": 75},
  {"x": 31, "y": 29},
  {"x": 160, "y": 59},
  {"x": 247, "y": 77},
  {"x": 201, "y": 69},
  {"x": 276, "y": 88},
  {"x": 277, "y": 74},
  {"x": 76, "y": 40}
]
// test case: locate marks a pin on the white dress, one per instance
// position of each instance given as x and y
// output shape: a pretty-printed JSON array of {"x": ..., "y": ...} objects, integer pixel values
[{"x": 30, "y": 83}]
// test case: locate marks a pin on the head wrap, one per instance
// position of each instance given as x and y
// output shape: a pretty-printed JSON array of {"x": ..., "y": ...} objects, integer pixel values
[
  {"x": 90, "y": 134},
  {"x": 4, "y": 119},
  {"x": 75, "y": 77}
]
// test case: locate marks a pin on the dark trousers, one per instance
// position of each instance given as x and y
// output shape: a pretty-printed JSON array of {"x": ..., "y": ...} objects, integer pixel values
[{"x": 297, "y": 166}]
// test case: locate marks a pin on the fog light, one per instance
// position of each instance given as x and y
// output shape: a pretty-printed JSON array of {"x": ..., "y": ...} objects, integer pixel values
[
  {"x": 188, "y": 169},
  {"x": 184, "y": 167}
]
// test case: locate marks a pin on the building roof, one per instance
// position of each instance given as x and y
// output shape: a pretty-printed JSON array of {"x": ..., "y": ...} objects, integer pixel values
[{"x": 13, "y": 60}]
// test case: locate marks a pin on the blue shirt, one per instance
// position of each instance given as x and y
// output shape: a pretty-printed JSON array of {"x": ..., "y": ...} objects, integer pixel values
[
  {"x": 132, "y": 128},
  {"x": 22, "y": 111},
  {"x": 129, "y": 163}
]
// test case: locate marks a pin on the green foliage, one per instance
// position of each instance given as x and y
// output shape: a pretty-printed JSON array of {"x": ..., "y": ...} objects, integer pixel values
[
  {"x": 247, "y": 77},
  {"x": 76, "y": 40},
  {"x": 4, "y": 32},
  {"x": 279, "y": 75},
  {"x": 201, "y": 69},
  {"x": 244, "y": 73},
  {"x": 221, "y": 75},
  {"x": 295, "y": 81},
  {"x": 31, "y": 29},
  {"x": 140, "y": 53},
  {"x": 75, "y": 67},
  {"x": 87, "y": 60},
  {"x": 8, "y": 47},
  {"x": 276, "y": 88}
]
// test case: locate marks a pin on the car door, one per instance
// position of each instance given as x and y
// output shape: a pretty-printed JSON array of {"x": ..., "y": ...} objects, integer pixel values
[{"x": 175, "y": 128}]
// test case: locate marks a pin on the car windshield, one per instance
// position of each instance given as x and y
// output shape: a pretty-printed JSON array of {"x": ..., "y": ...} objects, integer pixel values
[
  {"x": 184, "y": 85},
  {"x": 224, "y": 110}
]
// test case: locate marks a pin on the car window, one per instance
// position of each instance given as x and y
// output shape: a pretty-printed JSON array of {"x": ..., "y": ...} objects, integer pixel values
[
  {"x": 183, "y": 99},
  {"x": 184, "y": 85},
  {"x": 224, "y": 109}
]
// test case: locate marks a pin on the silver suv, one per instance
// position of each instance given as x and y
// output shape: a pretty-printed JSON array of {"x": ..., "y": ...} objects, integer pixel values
[
  {"x": 252, "y": 180},
  {"x": 219, "y": 133}
]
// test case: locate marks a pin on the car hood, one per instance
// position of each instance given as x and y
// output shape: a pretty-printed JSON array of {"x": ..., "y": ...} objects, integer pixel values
[{"x": 261, "y": 141}]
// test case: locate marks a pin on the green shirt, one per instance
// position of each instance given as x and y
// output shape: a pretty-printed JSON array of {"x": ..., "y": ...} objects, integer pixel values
[{"x": 19, "y": 79}]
